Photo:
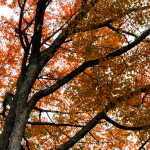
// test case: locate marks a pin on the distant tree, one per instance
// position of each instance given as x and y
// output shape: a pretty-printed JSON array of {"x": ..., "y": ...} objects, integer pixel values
[{"x": 75, "y": 74}]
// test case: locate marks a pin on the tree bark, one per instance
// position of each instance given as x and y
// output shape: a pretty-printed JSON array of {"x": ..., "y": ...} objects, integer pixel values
[
  {"x": 18, "y": 131},
  {"x": 82, "y": 132}
]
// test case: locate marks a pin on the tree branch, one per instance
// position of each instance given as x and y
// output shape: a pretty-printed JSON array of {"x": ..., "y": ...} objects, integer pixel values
[
  {"x": 27, "y": 143},
  {"x": 8, "y": 99},
  {"x": 142, "y": 146},
  {"x": 36, "y": 39},
  {"x": 54, "y": 124},
  {"x": 82, "y": 132},
  {"x": 54, "y": 111},
  {"x": 20, "y": 23},
  {"x": 59, "y": 83},
  {"x": 125, "y": 127},
  {"x": 100, "y": 116},
  {"x": 129, "y": 46},
  {"x": 122, "y": 31},
  {"x": 52, "y": 35},
  {"x": 142, "y": 100},
  {"x": 93, "y": 26},
  {"x": 50, "y": 51},
  {"x": 28, "y": 25}
]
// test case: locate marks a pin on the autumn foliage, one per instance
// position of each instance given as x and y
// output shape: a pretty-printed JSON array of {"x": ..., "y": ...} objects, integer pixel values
[{"x": 75, "y": 74}]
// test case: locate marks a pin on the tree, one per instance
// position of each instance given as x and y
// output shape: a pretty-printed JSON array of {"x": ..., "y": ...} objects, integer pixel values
[{"x": 75, "y": 74}]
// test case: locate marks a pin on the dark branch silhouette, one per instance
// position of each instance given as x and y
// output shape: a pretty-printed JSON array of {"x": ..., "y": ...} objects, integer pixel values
[
  {"x": 142, "y": 146},
  {"x": 125, "y": 127},
  {"x": 54, "y": 124}
]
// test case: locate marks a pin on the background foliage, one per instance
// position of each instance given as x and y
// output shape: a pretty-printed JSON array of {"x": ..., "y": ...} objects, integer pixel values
[{"x": 113, "y": 32}]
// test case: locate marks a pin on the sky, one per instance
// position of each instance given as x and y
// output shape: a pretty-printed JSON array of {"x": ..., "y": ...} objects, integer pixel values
[
  {"x": 7, "y": 12},
  {"x": 4, "y": 11}
]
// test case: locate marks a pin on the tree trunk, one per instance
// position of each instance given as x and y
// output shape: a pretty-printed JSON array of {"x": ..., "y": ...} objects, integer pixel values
[{"x": 18, "y": 131}]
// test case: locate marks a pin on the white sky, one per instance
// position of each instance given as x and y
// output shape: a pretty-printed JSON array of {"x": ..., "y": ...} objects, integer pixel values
[{"x": 5, "y": 11}]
